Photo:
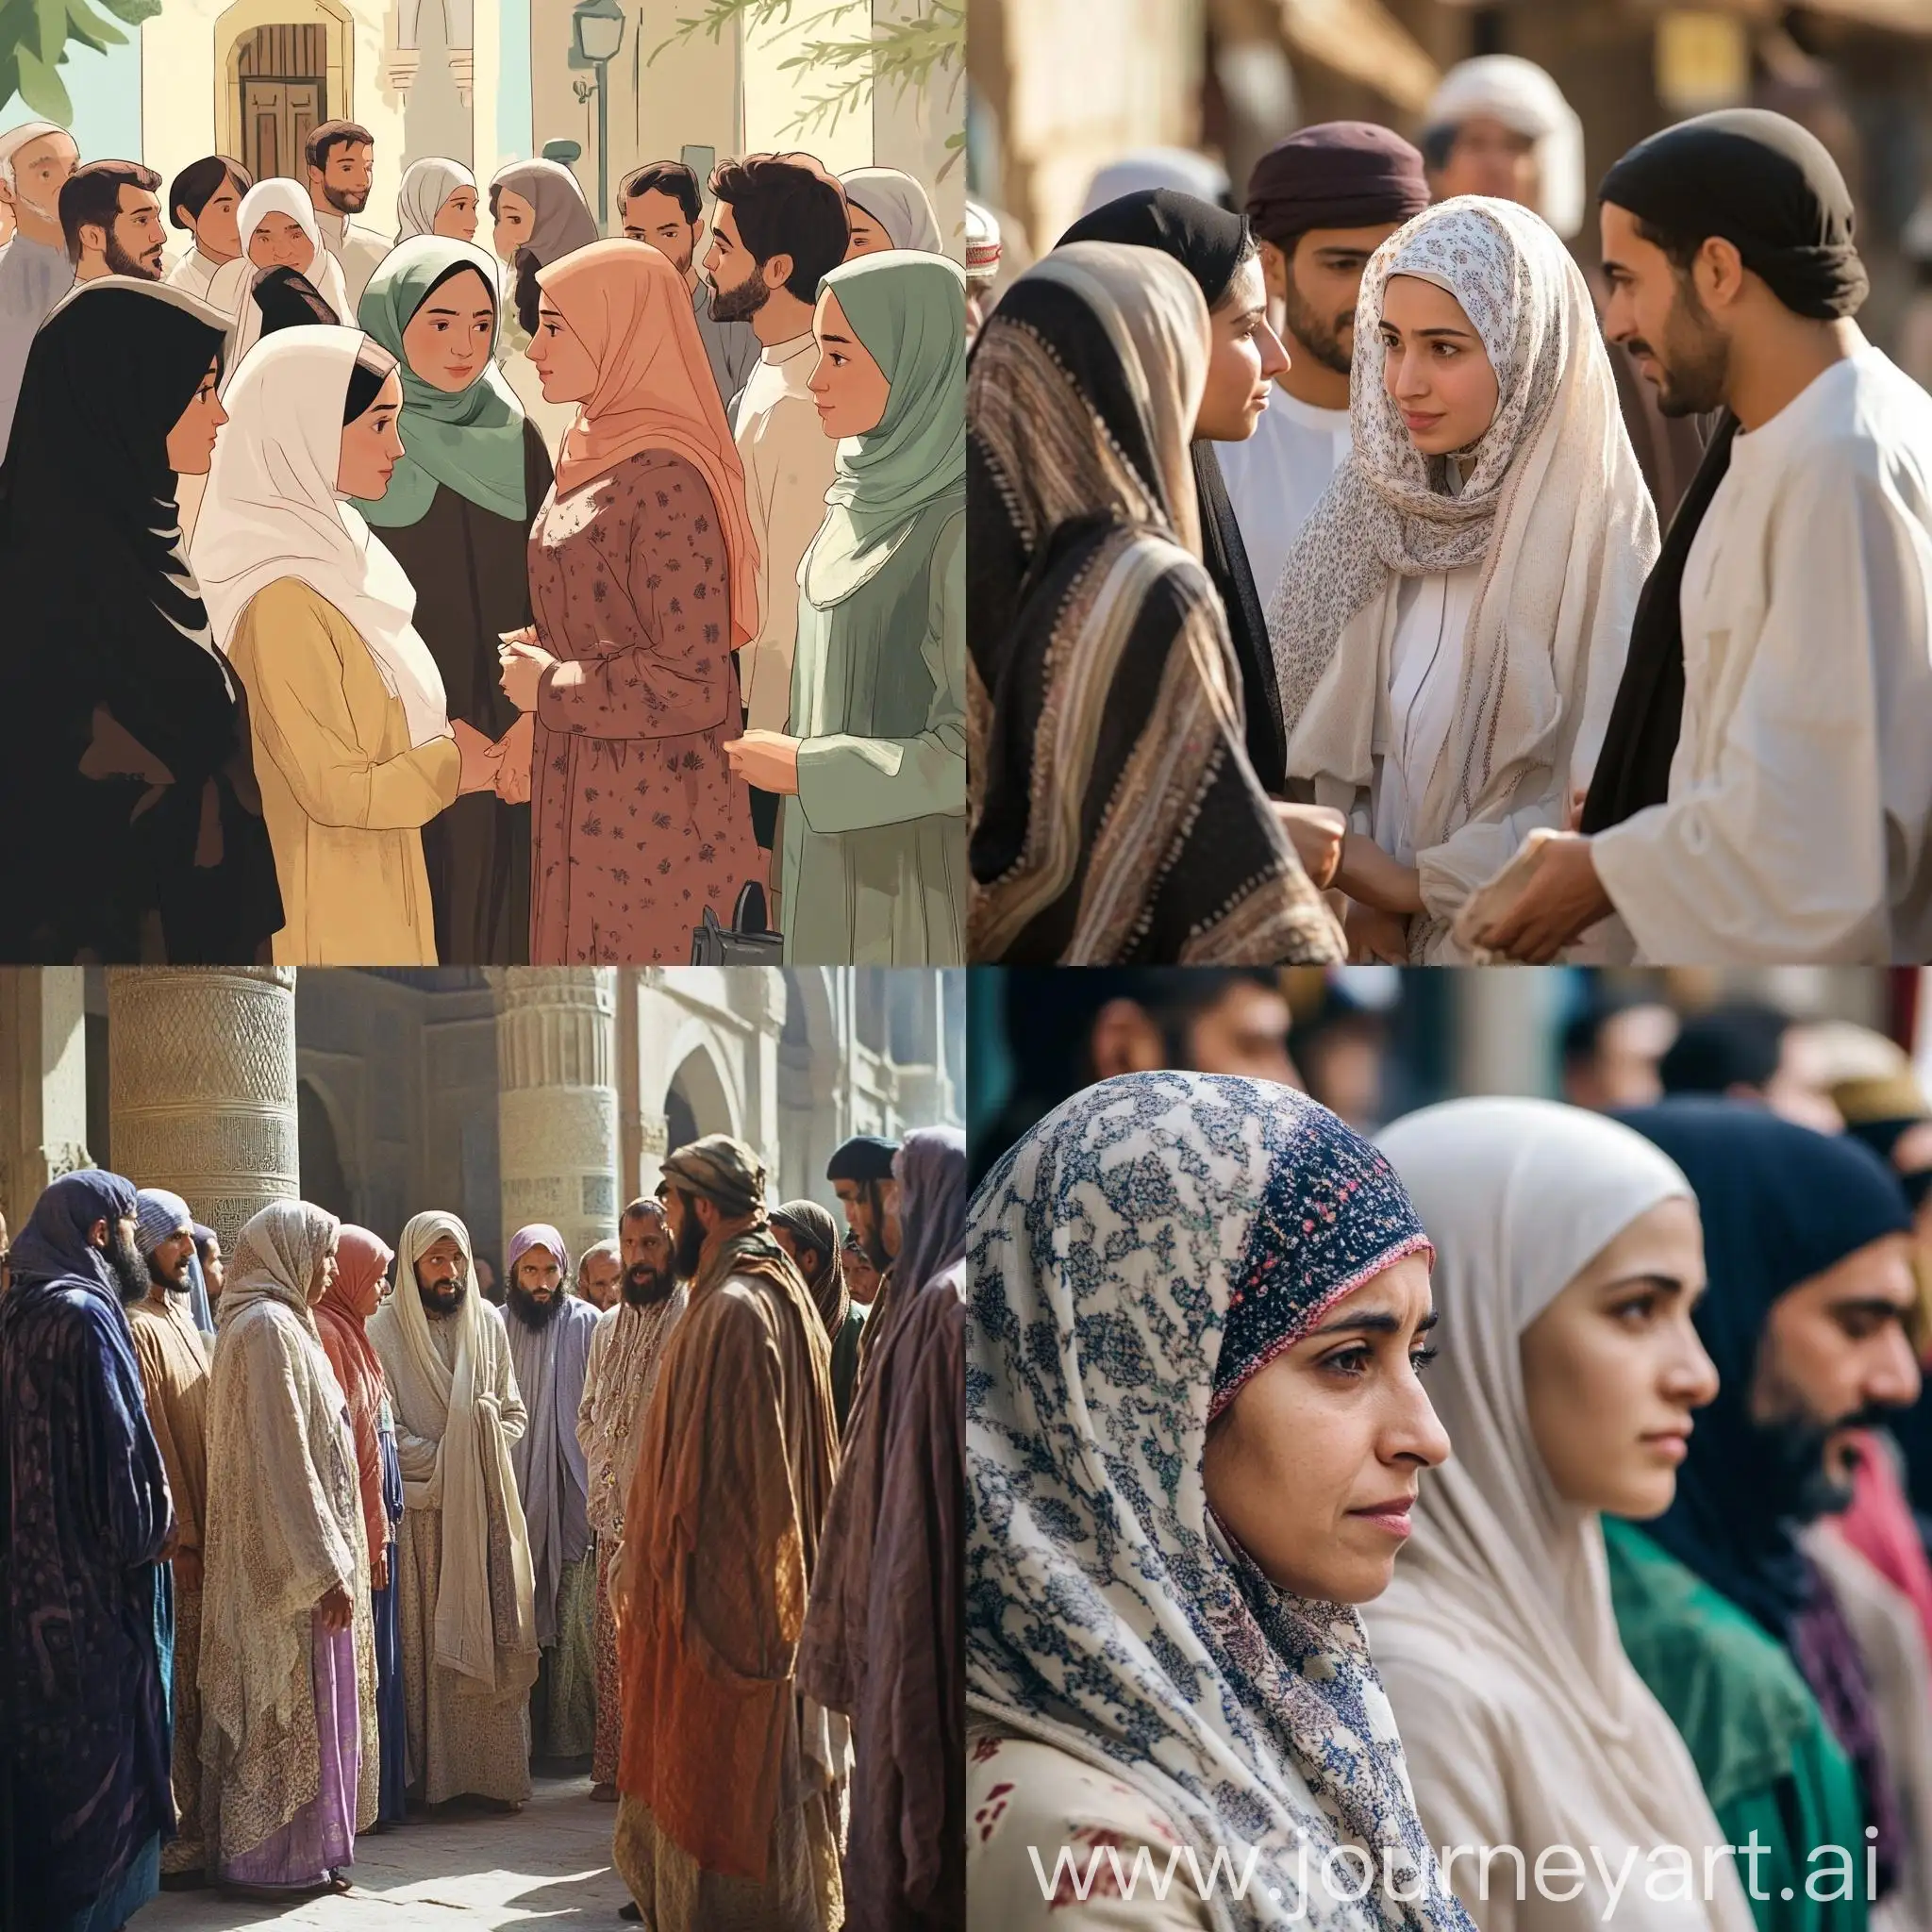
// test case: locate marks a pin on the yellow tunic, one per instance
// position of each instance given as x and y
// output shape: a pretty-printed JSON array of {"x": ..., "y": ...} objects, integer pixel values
[{"x": 344, "y": 795}]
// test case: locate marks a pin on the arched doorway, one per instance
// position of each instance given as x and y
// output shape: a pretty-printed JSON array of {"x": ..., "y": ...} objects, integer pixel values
[
  {"x": 696, "y": 1103},
  {"x": 319, "y": 1155},
  {"x": 285, "y": 67}
]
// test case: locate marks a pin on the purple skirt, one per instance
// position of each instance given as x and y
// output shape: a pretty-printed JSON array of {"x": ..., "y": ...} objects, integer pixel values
[{"x": 322, "y": 1835}]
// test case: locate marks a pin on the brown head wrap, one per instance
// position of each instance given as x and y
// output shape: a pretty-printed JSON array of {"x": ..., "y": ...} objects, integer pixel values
[
  {"x": 723, "y": 1170},
  {"x": 1336, "y": 175}
]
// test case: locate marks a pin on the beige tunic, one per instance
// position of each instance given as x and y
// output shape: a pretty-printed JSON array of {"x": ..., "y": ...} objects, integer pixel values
[{"x": 344, "y": 795}]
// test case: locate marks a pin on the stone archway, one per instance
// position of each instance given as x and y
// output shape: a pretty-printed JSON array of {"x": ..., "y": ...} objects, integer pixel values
[
  {"x": 697, "y": 1102},
  {"x": 325, "y": 1180}
]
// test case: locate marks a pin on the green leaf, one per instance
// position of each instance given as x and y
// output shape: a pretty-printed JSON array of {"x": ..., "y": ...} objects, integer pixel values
[
  {"x": 42, "y": 89},
  {"x": 91, "y": 30},
  {"x": 50, "y": 29}
]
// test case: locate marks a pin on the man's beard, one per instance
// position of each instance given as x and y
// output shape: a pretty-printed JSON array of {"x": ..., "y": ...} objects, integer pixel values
[
  {"x": 1694, "y": 366},
  {"x": 345, "y": 201},
  {"x": 180, "y": 1282},
  {"x": 436, "y": 1307},
  {"x": 741, "y": 303},
  {"x": 1321, "y": 339},
  {"x": 533, "y": 1313},
  {"x": 121, "y": 264},
  {"x": 645, "y": 1286},
  {"x": 130, "y": 1271},
  {"x": 691, "y": 1248}
]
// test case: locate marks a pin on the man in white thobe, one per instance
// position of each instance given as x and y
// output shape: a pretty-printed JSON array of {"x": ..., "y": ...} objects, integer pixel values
[
  {"x": 1793, "y": 824},
  {"x": 341, "y": 164},
  {"x": 1321, "y": 203}
]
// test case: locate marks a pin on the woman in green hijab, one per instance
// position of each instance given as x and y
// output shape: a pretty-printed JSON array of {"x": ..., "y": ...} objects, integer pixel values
[
  {"x": 873, "y": 765},
  {"x": 457, "y": 516}
]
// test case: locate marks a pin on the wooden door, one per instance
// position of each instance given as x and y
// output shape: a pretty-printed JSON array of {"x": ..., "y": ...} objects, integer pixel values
[{"x": 284, "y": 96}]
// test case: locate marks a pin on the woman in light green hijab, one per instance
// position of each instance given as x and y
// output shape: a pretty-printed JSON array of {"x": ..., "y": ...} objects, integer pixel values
[
  {"x": 456, "y": 517},
  {"x": 873, "y": 765}
]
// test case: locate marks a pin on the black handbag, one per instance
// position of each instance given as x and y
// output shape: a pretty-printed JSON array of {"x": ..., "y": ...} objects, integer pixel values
[{"x": 746, "y": 942}]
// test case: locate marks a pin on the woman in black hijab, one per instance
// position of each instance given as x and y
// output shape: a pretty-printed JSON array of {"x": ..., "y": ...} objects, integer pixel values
[
  {"x": 135, "y": 829},
  {"x": 1213, "y": 245}
]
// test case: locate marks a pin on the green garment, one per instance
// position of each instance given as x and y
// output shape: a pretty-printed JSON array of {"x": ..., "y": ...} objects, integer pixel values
[
  {"x": 875, "y": 853},
  {"x": 470, "y": 439},
  {"x": 845, "y": 1365},
  {"x": 1768, "y": 1762}
]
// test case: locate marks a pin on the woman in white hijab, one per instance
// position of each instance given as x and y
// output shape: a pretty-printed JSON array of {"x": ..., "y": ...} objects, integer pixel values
[
  {"x": 437, "y": 197},
  {"x": 889, "y": 210},
  {"x": 1499, "y": 124},
  {"x": 1450, "y": 629},
  {"x": 1568, "y": 1255},
  {"x": 280, "y": 241},
  {"x": 353, "y": 747}
]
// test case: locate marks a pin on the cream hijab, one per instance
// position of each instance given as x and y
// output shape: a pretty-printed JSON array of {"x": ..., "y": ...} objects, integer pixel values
[
  {"x": 232, "y": 290},
  {"x": 1554, "y": 511},
  {"x": 1503, "y": 1598},
  {"x": 271, "y": 510}
]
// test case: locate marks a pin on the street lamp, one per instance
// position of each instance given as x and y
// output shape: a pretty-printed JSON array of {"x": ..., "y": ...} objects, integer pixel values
[{"x": 598, "y": 28}]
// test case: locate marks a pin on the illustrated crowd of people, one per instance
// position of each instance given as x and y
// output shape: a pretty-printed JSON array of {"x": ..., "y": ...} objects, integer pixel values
[
  {"x": 1354, "y": 577},
  {"x": 1516, "y": 1521},
  {"x": 298, "y": 1549},
  {"x": 393, "y": 602}
]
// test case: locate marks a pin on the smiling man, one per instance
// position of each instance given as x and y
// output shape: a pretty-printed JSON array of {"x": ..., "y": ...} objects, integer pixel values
[{"x": 1765, "y": 785}]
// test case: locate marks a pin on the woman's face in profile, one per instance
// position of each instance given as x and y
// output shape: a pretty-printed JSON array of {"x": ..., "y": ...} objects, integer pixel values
[
  {"x": 1313, "y": 1466},
  {"x": 1435, "y": 367}
]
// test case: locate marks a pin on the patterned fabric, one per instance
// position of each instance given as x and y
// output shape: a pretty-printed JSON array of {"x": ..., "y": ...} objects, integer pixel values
[
  {"x": 604, "y": 1753},
  {"x": 563, "y": 1701},
  {"x": 1105, "y": 1614},
  {"x": 1114, "y": 814},
  {"x": 801, "y": 1891},
  {"x": 1554, "y": 504}
]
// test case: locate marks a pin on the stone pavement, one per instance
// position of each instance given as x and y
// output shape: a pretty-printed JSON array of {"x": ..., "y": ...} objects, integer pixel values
[{"x": 460, "y": 1870}]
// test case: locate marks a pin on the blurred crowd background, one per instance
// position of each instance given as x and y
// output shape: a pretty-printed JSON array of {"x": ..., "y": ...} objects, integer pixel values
[
  {"x": 1837, "y": 1049},
  {"x": 1061, "y": 88}
]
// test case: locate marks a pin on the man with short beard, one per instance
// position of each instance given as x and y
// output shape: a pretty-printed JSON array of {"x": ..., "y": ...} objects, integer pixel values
[
  {"x": 341, "y": 158},
  {"x": 110, "y": 218},
  {"x": 729, "y": 1815},
  {"x": 1807, "y": 1240},
  {"x": 469, "y": 1621},
  {"x": 779, "y": 226},
  {"x": 174, "y": 1355},
  {"x": 550, "y": 1332},
  {"x": 90, "y": 1525},
  {"x": 600, "y": 1275},
  {"x": 1321, "y": 203},
  {"x": 35, "y": 269},
  {"x": 617, "y": 1383},
  {"x": 1764, "y": 789}
]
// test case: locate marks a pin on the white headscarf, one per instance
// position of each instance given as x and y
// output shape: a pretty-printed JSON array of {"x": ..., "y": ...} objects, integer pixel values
[
  {"x": 1503, "y": 1586},
  {"x": 425, "y": 185},
  {"x": 1526, "y": 100},
  {"x": 1554, "y": 509},
  {"x": 898, "y": 203},
  {"x": 1179, "y": 168},
  {"x": 232, "y": 289},
  {"x": 271, "y": 510},
  {"x": 469, "y": 1638}
]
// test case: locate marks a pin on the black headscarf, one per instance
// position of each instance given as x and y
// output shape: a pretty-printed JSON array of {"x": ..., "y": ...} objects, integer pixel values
[
  {"x": 287, "y": 299},
  {"x": 104, "y": 616},
  {"x": 1211, "y": 244},
  {"x": 1768, "y": 187},
  {"x": 1779, "y": 1204}
]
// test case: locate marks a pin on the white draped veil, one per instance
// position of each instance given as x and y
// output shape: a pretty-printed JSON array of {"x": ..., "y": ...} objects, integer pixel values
[
  {"x": 1505, "y": 1581},
  {"x": 1554, "y": 511}
]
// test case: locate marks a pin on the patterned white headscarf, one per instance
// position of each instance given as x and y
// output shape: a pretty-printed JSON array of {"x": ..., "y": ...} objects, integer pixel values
[
  {"x": 1139, "y": 1235},
  {"x": 1553, "y": 503}
]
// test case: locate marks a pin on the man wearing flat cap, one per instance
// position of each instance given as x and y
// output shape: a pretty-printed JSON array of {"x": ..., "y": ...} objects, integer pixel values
[
  {"x": 1764, "y": 789},
  {"x": 1321, "y": 203},
  {"x": 729, "y": 1809}
]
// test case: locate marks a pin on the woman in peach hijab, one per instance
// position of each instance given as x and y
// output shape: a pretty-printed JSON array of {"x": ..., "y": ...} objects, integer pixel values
[{"x": 642, "y": 581}]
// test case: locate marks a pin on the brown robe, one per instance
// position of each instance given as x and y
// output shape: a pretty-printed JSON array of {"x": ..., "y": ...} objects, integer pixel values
[
  {"x": 884, "y": 1637},
  {"x": 722, "y": 1537},
  {"x": 472, "y": 583}
]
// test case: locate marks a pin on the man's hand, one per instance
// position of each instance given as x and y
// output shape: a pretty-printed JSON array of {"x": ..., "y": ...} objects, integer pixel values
[
  {"x": 1563, "y": 898},
  {"x": 188, "y": 1569},
  {"x": 1316, "y": 832},
  {"x": 379, "y": 1570},
  {"x": 1376, "y": 937},
  {"x": 335, "y": 1609}
]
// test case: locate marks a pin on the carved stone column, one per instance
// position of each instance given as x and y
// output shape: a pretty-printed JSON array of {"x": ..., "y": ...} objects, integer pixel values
[
  {"x": 42, "y": 1083},
  {"x": 200, "y": 1086},
  {"x": 557, "y": 1099}
]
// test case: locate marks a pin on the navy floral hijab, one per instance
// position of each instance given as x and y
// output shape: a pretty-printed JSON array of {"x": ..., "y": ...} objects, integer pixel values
[{"x": 1141, "y": 1253}]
